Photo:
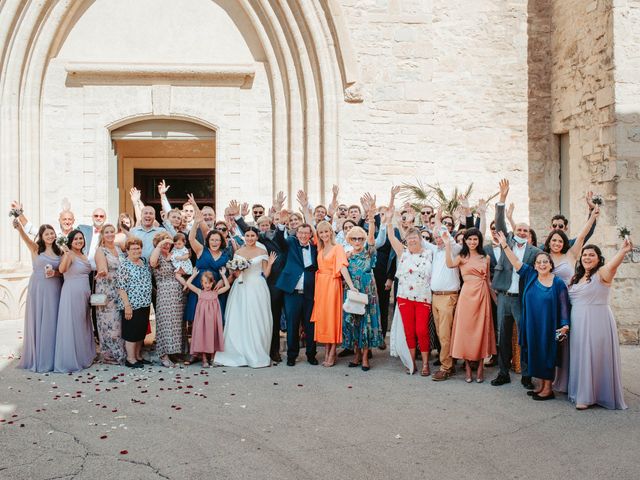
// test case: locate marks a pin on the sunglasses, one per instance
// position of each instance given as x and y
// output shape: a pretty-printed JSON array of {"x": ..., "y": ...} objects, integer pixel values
[
  {"x": 258, "y": 212},
  {"x": 493, "y": 229},
  {"x": 557, "y": 225},
  {"x": 426, "y": 213},
  {"x": 542, "y": 262},
  {"x": 99, "y": 216},
  {"x": 448, "y": 224},
  {"x": 222, "y": 229},
  {"x": 342, "y": 209},
  {"x": 357, "y": 239}
]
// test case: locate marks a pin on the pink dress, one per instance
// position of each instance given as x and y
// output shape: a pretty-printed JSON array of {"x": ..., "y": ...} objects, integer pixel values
[{"x": 206, "y": 334}]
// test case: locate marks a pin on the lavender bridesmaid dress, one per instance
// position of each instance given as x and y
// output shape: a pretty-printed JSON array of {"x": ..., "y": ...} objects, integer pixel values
[
  {"x": 41, "y": 316},
  {"x": 75, "y": 348},
  {"x": 594, "y": 371}
]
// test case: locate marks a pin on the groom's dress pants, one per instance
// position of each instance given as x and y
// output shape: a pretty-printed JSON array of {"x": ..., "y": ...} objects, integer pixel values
[{"x": 297, "y": 310}]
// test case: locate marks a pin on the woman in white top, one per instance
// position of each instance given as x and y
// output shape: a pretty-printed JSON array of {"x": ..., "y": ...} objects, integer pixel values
[{"x": 414, "y": 296}]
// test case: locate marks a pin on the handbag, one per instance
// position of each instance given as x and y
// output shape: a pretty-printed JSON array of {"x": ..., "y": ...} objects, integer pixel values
[
  {"x": 97, "y": 299},
  {"x": 355, "y": 302}
]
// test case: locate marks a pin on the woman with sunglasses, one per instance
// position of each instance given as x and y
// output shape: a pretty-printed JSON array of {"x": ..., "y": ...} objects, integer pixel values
[
  {"x": 361, "y": 333},
  {"x": 545, "y": 317}
]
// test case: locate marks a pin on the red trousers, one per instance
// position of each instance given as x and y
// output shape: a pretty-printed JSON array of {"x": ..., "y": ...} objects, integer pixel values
[{"x": 415, "y": 319}]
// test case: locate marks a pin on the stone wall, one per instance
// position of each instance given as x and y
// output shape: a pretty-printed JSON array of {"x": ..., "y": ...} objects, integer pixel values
[{"x": 445, "y": 87}]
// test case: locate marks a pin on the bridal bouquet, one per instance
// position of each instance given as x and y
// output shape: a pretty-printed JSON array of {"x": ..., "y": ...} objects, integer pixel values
[
  {"x": 237, "y": 264},
  {"x": 624, "y": 232},
  {"x": 15, "y": 212}
]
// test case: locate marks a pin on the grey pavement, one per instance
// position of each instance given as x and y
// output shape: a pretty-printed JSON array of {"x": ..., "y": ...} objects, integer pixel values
[{"x": 306, "y": 422}]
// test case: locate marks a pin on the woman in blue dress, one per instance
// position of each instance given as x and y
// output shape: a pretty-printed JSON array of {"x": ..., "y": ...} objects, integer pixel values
[
  {"x": 362, "y": 332},
  {"x": 545, "y": 317},
  {"x": 209, "y": 259}
]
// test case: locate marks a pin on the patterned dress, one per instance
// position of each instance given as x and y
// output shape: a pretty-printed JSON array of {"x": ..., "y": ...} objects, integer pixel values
[
  {"x": 170, "y": 301},
  {"x": 108, "y": 316},
  {"x": 363, "y": 331}
]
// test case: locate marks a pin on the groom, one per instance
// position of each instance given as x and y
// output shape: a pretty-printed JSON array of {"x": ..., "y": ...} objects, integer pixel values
[{"x": 297, "y": 280}]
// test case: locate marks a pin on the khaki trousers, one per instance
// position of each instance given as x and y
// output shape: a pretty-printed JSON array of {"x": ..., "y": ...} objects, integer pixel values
[{"x": 444, "y": 307}]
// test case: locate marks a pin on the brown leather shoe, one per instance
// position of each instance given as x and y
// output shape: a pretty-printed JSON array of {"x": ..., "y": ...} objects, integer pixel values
[{"x": 440, "y": 376}]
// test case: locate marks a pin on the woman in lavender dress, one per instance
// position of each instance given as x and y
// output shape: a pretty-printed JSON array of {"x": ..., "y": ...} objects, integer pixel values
[
  {"x": 564, "y": 256},
  {"x": 43, "y": 296},
  {"x": 595, "y": 372},
  {"x": 75, "y": 348},
  {"x": 108, "y": 256}
]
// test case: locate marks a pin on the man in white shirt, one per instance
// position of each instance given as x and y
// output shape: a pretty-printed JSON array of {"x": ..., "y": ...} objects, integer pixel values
[
  {"x": 92, "y": 234},
  {"x": 445, "y": 286}
]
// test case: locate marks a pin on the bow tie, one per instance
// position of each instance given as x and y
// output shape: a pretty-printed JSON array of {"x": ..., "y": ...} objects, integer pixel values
[{"x": 307, "y": 247}]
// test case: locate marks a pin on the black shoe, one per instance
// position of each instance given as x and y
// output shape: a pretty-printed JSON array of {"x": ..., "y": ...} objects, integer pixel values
[
  {"x": 527, "y": 383},
  {"x": 531, "y": 393},
  {"x": 145, "y": 362},
  {"x": 132, "y": 365},
  {"x": 537, "y": 397},
  {"x": 312, "y": 360},
  {"x": 365, "y": 369},
  {"x": 291, "y": 362},
  {"x": 354, "y": 365},
  {"x": 500, "y": 380},
  {"x": 346, "y": 353},
  {"x": 276, "y": 358}
]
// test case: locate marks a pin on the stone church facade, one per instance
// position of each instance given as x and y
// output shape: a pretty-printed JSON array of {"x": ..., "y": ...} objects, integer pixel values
[{"x": 268, "y": 95}]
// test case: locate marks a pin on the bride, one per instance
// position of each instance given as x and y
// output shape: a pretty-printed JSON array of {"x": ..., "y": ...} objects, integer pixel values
[{"x": 248, "y": 323}]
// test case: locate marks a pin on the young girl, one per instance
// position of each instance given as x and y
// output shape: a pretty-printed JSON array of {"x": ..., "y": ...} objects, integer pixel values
[
  {"x": 206, "y": 334},
  {"x": 180, "y": 256}
]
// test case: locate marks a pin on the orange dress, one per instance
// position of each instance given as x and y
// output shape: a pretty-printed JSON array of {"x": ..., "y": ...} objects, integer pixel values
[
  {"x": 472, "y": 336},
  {"x": 327, "y": 303}
]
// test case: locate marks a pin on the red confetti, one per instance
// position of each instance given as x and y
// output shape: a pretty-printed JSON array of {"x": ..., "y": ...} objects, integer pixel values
[
  {"x": 103, "y": 437},
  {"x": 124, "y": 452}
]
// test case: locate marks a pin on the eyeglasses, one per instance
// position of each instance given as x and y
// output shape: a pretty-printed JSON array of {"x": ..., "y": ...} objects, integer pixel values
[
  {"x": 544, "y": 261},
  {"x": 342, "y": 209},
  {"x": 448, "y": 224},
  {"x": 222, "y": 229},
  {"x": 357, "y": 239},
  {"x": 493, "y": 229},
  {"x": 99, "y": 216},
  {"x": 557, "y": 225}
]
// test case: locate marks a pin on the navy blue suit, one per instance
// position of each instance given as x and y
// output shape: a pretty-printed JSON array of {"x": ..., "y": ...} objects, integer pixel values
[{"x": 298, "y": 305}]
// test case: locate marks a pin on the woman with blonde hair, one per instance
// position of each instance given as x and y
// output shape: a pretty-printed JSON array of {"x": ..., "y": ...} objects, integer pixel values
[
  {"x": 108, "y": 321},
  {"x": 328, "y": 296},
  {"x": 362, "y": 332}
]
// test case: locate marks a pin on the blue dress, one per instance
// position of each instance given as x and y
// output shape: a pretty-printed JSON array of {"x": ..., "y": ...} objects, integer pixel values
[
  {"x": 544, "y": 310},
  {"x": 363, "y": 331},
  {"x": 206, "y": 263}
]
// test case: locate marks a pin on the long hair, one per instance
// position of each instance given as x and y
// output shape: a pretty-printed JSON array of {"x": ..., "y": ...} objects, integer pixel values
[
  {"x": 321, "y": 243},
  {"x": 562, "y": 235},
  {"x": 71, "y": 236},
  {"x": 580, "y": 270},
  {"x": 472, "y": 232},
  {"x": 121, "y": 226},
  {"x": 40, "y": 242}
]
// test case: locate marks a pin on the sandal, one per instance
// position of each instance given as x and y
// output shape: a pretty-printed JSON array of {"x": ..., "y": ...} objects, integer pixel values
[
  {"x": 206, "y": 364},
  {"x": 167, "y": 363},
  {"x": 425, "y": 372}
]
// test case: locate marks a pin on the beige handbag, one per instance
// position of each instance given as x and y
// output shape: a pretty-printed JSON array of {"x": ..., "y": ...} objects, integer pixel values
[
  {"x": 355, "y": 302},
  {"x": 97, "y": 299}
]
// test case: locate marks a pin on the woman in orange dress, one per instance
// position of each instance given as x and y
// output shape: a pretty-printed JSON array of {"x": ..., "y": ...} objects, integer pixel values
[
  {"x": 472, "y": 337},
  {"x": 327, "y": 306}
]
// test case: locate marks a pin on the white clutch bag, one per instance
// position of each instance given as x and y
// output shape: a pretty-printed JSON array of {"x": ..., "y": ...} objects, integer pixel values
[{"x": 355, "y": 302}]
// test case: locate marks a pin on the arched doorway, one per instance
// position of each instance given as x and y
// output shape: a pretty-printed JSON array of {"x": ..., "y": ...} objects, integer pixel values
[{"x": 181, "y": 153}]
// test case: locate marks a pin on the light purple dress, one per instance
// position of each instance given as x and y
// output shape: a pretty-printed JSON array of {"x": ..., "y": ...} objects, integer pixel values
[
  {"x": 75, "y": 348},
  {"x": 565, "y": 272},
  {"x": 594, "y": 372},
  {"x": 41, "y": 316}
]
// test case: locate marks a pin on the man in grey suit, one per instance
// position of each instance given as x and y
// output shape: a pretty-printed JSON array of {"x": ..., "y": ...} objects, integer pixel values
[{"x": 506, "y": 283}]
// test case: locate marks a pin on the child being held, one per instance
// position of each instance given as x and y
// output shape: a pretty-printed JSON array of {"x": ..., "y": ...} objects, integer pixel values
[
  {"x": 206, "y": 333},
  {"x": 180, "y": 255}
]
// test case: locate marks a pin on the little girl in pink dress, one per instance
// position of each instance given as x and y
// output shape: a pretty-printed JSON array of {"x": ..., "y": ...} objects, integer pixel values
[{"x": 206, "y": 333}]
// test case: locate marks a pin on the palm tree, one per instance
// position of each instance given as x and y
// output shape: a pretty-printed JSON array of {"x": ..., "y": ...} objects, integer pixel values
[{"x": 419, "y": 194}]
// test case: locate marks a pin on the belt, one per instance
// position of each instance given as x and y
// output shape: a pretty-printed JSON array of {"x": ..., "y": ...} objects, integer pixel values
[
  {"x": 509, "y": 294},
  {"x": 452, "y": 292}
]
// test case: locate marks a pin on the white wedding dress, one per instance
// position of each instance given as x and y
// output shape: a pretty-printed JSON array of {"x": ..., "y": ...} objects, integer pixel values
[{"x": 248, "y": 322}]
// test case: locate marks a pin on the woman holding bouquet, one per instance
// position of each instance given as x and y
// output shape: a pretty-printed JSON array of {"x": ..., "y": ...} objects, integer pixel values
[
  {"x": 75, "y": 348},
  {"x": 247, "y": 333},
  {"x": 43, "y": 297}
]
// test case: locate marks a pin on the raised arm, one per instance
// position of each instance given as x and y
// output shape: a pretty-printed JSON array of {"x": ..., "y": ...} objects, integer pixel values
[
  {"x": 482, "y": 213},
  {"x": 501, "y": 225},
  {"x": 102, "y": 267},
  {"x": 371, "y": 234},
  {"x": 67, "y": 258},
  {"x": 395, "y": 243},
  {"x": 137, "y": 205},
  {"x": 267, "y": 264},
  {"x": 575, "y": 249},
  {"x": 333, "y": 206},
  {"x": 31, "y": 245},
  {"x": 164, "y": 201},
  {"x": 609, "y": 270},
  {"x": 193, "y": 238},
  {"x": 154, "y": 259},
  {"x": 451, "y": 262},
  {"x": 509, "y": 214},
  {"x": 513, "y": 259},
  {"x": 234, "y": 211}
]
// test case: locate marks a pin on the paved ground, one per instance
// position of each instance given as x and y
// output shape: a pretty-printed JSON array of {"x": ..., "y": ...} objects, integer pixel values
[{"x": 301, "y": 423}]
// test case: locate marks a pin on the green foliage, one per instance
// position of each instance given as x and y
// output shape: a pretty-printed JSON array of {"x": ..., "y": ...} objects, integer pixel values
[{"x": 420, "y": 194}]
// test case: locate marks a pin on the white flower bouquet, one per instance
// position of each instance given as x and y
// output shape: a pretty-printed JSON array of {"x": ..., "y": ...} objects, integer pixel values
[
  {"x": 15, "y": 212},
  {"x": 237, "y": 264},
  {"x": 61, "y": 241}
]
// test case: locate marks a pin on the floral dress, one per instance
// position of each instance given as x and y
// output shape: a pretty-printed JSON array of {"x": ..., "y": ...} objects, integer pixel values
[
  {"x": 363, "y": 331},
  {"x": 108, "y": 316},
  {"x": 169, "y": 306}
]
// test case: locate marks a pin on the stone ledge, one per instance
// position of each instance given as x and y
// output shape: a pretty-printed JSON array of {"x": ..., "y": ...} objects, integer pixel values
[{"x": 107, "y": 73}]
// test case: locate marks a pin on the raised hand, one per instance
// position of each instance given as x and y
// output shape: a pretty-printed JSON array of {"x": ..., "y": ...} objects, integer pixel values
[
  {"x": 284, "y": 216},
  {"x": 589, "y": 199},
  {"x": 502, "y": 240},
  {"x": 596, "y": 211},
  {"x": 464, "y": 202},
  {"x": 244, "y": 209},
  {"x": 510, "y": 210},
  {"x": 135, "y": 195},
  {"x": 504, "y": 189},
  {"x": 280, "y": 199},
  {"x": 198, "y": 218},
  {"x": 302, "y": 198},
  {"x": 482, "y": 206},
  {"x": 272, "y": 258},
  {"x": 395, "y": 190},
  {"x": 371, "y": 200},
  {"x": 234, "y": 208},
  {"x": 163, "y": 187},
  {"x": 627, "y": 246},
  {"x": 16, "y": 205},
  {"x": 334, "y": 191},
  {"x": 193, "y": 202},
  {"x": 223, "y": 271}
]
